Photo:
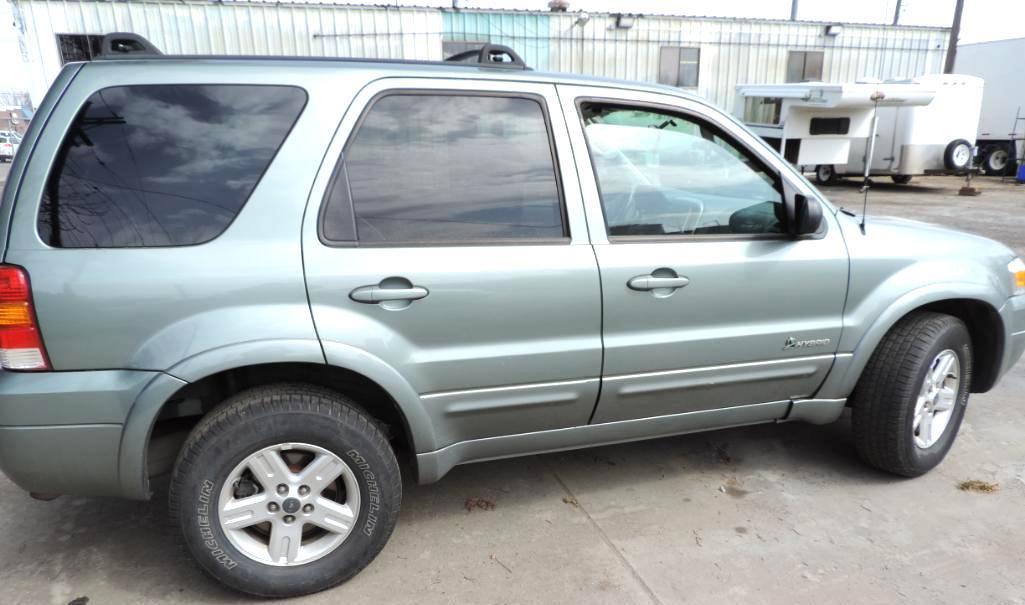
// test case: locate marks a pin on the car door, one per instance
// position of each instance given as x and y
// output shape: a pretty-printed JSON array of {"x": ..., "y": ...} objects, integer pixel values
[
  {"x": 707, "y": 304},
  {"x": 447, "y": 238}
]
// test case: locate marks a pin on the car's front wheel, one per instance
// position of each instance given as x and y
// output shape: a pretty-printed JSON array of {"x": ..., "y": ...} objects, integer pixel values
[
  {"x": 285, "y": 490},
  {"x": 911, "y": 398}
]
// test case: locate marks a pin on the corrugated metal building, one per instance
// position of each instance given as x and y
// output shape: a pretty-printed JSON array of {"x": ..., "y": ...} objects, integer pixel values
[{"x": 708, "y": 55}]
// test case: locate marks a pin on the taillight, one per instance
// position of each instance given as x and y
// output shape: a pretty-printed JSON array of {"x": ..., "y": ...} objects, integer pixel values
[{"x": 21, "y": 345}]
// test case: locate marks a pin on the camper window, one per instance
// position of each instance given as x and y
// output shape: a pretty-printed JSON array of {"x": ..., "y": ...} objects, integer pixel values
[
  {"x": 830, "y": 125},
  {"x": 762, "y": 110}
]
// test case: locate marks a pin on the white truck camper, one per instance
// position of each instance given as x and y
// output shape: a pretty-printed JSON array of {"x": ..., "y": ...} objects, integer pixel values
[{"x": 924, "y": 125}]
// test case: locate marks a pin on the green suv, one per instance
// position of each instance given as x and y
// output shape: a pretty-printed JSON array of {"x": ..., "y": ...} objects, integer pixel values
[{"x": 277, "y": 278}]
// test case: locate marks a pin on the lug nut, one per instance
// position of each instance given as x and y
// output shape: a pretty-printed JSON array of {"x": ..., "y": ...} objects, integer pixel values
[
  {"x": 282, "y": 489},
  {"x": 304, "y": 490},
  {"x": 289, "y": 519},
  {"x": 273, "y": 507},
  {"x": 308, "y": 509}
]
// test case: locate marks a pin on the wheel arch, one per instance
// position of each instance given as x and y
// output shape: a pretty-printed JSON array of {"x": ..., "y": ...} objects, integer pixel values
[
  {"x": 974, "y": 307},
  {"x": 168, "y": 408}
]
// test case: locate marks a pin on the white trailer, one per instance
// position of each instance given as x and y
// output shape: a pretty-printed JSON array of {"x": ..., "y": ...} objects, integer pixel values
[
  {"x": 925, "y": 125},
  {"x": 1002, "y": 125}
]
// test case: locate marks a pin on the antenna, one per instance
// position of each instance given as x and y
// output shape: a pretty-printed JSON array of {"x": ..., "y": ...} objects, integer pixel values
[{"x": 866, "y": 185}]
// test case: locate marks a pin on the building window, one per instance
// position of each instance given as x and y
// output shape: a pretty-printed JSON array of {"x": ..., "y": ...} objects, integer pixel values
[
  {"x": 678, "y": 66},
  {"x": 78, "y": 47},
  {"x": 450, "y": 48},
  {"x": 804, "y": 66}
]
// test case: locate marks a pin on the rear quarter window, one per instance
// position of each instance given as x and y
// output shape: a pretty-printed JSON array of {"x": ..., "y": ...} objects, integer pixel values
[{"x": 163, "y": 165}]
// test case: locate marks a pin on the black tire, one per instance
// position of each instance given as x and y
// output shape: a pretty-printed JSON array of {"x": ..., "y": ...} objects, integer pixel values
[
  {"x": 901, "y": 179},
  {"x": 266, "y": 416},
  {"x": 883, "y": 402},
  {"x": 825, "y": 174},
  {"x": 997, "y": 160},
  {"x": 954, "y": 158}
]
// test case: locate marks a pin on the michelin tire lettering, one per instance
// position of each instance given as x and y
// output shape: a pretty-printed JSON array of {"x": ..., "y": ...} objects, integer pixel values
[
  {"x": 205, "y": 529},
  {"x": 373, "y": 491}
]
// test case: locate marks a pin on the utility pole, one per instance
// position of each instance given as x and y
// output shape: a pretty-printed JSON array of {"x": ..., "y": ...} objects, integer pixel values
[
  {"x": 896, "y": 12},
  {"x": 793, "y": 10},
  {"x": 955, "y": 30}
]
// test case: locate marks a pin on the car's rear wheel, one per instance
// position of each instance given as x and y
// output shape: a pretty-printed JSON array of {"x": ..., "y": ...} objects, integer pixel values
[
  {"x": 285, "y": 490},
  {"x": 911, "y": 398}
]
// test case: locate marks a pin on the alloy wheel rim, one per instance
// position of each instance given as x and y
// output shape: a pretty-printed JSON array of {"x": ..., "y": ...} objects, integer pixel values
[
  {"x": 936, "y": 399},
  {"x": 289, "y": 504}
]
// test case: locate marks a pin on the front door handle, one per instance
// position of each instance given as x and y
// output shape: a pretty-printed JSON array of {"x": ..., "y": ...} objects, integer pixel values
[
  {"x": 662, "y": 282},
  {"x": 376, "y": 294},
  {"x": 654, "y": 282},
  {"x": 391, "y": 293}
]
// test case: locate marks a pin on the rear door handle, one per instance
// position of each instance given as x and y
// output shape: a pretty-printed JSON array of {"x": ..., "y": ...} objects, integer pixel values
[
  {"x": 653, "y": 282},
  {"x": 391, "y": 293}
]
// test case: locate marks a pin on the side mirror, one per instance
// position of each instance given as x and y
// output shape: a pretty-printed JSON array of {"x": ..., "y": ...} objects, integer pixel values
[{"x": 803, "y": 216}]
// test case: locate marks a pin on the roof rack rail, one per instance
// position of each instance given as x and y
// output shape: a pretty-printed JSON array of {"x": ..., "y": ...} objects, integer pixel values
[
  {"x": 127, "y": 45},
  {"x": 116, "y": 45},
  {"x": 492, "y": 55}
]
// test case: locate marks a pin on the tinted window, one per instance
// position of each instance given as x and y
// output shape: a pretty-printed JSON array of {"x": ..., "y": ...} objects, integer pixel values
[
  {"x": 162, "y": 165},
  {"x": 665, "y": 174},
  {"x": 447, "y": 168}
]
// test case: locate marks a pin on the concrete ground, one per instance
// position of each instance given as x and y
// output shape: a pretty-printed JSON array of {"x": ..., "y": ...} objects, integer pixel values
[{"x": 769, "y": 514}]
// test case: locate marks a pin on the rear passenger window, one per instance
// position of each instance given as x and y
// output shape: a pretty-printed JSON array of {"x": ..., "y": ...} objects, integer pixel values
[
  {"x": 446, "y": 168},
  {"x": 163, "y": 165}
]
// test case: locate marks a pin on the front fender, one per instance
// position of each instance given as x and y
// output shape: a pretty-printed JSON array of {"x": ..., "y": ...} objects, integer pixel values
[{"x": 867, "y": 332}]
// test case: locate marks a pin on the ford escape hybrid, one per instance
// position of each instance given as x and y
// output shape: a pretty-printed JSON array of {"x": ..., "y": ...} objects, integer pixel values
[{"x": 273, "y": 278}]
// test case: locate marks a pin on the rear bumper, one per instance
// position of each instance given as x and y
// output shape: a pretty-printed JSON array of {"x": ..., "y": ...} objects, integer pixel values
[
  {"x": 61, "y": 432},
  {"x": 76, "y": 459}
]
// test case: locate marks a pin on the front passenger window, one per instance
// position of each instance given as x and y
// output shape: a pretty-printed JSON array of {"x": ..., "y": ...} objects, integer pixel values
[{"x": 666, "y": 174}]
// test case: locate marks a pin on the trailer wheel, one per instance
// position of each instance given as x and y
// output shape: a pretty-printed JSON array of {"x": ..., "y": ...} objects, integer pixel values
[
  {"x": 996, "y": 160},
  {"x": 825, "y": 174},
  {"x": 901, "y": 179},
  {"x": 958, "y": 155}
]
